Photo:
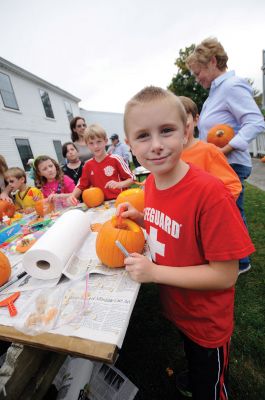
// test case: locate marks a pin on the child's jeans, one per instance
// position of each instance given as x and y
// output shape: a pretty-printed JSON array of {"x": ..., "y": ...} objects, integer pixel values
[{"x": 208, "y": 369}]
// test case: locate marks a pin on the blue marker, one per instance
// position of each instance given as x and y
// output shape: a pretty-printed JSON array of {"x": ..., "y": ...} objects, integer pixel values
[{"x": 122, "y": 248}]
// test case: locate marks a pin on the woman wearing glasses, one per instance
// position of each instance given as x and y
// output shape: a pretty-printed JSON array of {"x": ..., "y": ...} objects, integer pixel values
[{"x": 78, "y": 126}]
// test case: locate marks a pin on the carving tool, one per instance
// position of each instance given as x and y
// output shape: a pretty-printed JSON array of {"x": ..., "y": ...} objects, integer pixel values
[{"x": 122, "y": 248}]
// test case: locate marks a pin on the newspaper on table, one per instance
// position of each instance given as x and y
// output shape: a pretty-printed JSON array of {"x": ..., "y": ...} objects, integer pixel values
[
  {"x": 96, "y": 304},
  {"x": 80, "y": 379}
]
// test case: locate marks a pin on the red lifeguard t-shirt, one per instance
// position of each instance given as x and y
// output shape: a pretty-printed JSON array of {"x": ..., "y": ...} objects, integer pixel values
[
  {"x": 97, "y": 174},
  {"x": 189, "y": 224}
]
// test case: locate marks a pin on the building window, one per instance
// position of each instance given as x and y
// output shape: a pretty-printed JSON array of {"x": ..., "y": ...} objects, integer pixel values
[
  {"x": 69, "y": 110},
  {"x": 7, "y": 92},
  {"x": 46, "y": 103},
  {"x": 58, "y": 150},
  {"x": 25, "y": 152}
]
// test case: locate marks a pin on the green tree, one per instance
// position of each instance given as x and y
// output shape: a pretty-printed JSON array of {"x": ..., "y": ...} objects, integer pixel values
[{"x": 184, "y": 83}]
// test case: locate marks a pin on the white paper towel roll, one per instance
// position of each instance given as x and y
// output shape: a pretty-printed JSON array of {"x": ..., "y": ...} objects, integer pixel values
[{"x": 48, "y": 256}]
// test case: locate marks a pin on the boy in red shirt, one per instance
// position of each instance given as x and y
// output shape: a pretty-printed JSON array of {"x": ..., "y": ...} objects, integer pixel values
[
  {"x": 187, "y": 216},
  {"x": 108, "y": 172}
]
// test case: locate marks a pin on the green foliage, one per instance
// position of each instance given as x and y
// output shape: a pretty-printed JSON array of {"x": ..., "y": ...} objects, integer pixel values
[{"x": 184, "y": 83}]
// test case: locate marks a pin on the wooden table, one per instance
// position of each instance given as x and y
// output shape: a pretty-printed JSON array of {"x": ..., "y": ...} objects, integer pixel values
[{"x": 84, "y": 348}]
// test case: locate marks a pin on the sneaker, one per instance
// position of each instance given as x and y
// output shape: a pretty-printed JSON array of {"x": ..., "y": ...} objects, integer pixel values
[
  {"x": 244, "y": 268},
  {"x": 183, "y": 384}
]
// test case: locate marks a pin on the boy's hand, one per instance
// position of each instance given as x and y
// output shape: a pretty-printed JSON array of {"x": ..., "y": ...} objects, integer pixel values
[
  {"x": 126, "y": 210},
  {"x": 140, "y": 268},
  {"x": 113, "y": 185},
  {"x": 4, "y": 196}
]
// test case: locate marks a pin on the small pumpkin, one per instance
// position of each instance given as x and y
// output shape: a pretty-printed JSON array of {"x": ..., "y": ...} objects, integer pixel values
[
  {"x": 5, "y": 269},
  {"x": 130, "y": 235},
  {"x": 135, "y": 196},
  {"x": 220, "y": 135},
  {"x": 93, "y": 197},
  {"x": 262, "y": 159},
  {"x": 7, "y": 208},
  {"x": 43, "y": 207}
]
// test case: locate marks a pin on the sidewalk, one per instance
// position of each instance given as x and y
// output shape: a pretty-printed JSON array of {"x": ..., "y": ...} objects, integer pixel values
[{"x": 257, "y": 177}]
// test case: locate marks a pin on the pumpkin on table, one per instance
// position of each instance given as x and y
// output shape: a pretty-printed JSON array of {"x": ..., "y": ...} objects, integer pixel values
[
  {"x": 262, "y": 159},
  {"x": 220, "y": 135},
  {"x": 5, "y": 269},
  {"x": 43, "y": 207},
  {"x": 93, "y": 197},
  {"x": 7, "y": 208},
  {"x": 129, "y": 234},
  {"x": 135, "y": 196}
]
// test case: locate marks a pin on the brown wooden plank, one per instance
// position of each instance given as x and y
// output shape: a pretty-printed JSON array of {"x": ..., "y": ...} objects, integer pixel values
[{"x": 63, "y": 344}]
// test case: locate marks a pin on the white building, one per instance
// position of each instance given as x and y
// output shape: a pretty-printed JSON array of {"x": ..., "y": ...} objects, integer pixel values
[
  {"x": 111, "y": 122},
  {"x": 35, "y": 115}
]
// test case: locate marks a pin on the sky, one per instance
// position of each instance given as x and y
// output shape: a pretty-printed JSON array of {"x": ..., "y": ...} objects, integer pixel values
[{"x": 105, "y": 51}]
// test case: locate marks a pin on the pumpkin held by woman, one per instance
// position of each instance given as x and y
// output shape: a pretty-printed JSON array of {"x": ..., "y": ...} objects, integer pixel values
[
  {"x": 7, "y": 208},
  {"x": 93, "y": 197},
  {"x": 129, "y": 234},
  {"x": 220, "y": 135},
  {"x": 135, "y": 196},
  {"x": 5, "y": 269}
]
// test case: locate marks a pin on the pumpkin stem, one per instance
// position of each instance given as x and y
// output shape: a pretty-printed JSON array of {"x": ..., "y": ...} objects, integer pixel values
[{"x": 220, "y": 133}]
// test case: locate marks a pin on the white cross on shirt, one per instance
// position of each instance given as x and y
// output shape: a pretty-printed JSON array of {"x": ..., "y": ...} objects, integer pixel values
[{"x": 155, "y": 246}]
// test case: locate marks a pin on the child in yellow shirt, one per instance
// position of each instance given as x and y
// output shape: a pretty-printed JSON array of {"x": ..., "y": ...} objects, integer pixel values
[
  {"x": 25, "y": 196},
  {"x": 206, "y": 155}
]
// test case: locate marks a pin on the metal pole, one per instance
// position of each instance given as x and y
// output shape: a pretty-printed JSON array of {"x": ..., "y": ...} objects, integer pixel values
[{"x": 263, "y": 75}]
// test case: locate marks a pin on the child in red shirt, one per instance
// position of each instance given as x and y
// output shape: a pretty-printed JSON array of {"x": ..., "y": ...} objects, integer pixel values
[
  {"x": 187, "y": 215},
  {"x": 108, "y": 172}
]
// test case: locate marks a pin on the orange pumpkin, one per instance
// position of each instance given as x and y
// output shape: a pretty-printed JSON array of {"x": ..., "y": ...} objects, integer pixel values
[
  {"x": 220, "y": 135},
  {"x": 5, "y": 269},
  {"x": 262, "y": 159},
  {"x": 135, "y": 196},
  {"x": 93, "y": 197},
  {"x": 43, "y": 207},
  {"x": 130, "y": 235},
  {"x": 7, "y": 208}
]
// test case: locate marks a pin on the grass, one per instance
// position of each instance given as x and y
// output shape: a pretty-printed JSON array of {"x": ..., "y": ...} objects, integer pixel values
[{"x": 152, "y": 344}]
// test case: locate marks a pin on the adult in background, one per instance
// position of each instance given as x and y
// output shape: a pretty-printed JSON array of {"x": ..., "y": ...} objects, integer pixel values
[
  {"x": 73, "y": 167},
  {"x": 231, "y": 102},
  {"x": 78, "y": 126},
  {"x": 119, "y": 148},
  {"x": 5, "y": 189}
]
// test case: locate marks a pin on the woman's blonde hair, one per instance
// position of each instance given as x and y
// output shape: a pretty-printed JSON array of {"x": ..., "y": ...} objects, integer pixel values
[{"x": 207, "y": 49}]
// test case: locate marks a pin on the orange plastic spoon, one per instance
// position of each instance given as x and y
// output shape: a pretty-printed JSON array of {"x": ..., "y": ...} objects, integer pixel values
[{"x": 9, "y": 302}]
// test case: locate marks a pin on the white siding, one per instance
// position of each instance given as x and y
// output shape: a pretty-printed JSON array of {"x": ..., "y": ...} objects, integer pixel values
[
  {"x": 30, "y": 122},
  {"x": 111, "y": 122}
]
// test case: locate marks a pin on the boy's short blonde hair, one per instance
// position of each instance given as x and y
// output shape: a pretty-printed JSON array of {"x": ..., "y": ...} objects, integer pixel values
[
  {"x": 189, "y": 105},
  {"x": 151, "y": 94},
  {"x": 16, "y": 172},
  {"x": 94, "y": 131}
]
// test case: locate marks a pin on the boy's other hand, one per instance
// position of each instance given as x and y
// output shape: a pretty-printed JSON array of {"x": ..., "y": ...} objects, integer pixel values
[
  {"x": 140, "y": 268},
  {"x": 113, "y": 185}
]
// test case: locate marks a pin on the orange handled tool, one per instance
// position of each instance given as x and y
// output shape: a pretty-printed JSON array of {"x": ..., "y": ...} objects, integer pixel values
[{"x": 9, "y": 302}]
